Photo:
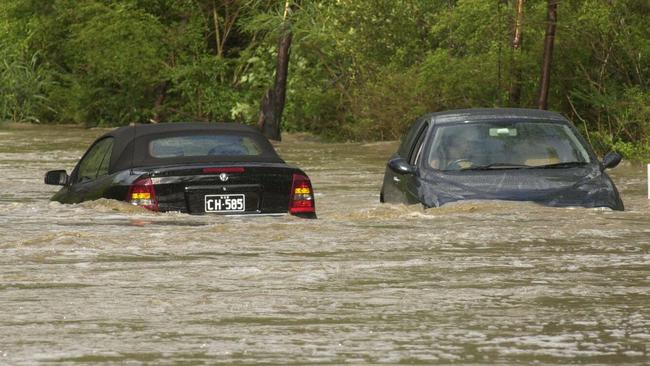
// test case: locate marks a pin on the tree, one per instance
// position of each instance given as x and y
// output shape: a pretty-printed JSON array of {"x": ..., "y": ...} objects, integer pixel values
[
  {"x": 549, "y": 41},
  {"x": 274, "y": 99},
  {"x": 517, "y": 35}
]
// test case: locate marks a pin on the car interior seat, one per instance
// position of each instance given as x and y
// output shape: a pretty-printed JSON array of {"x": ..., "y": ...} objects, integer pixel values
[{"x": 543, "y": 157}]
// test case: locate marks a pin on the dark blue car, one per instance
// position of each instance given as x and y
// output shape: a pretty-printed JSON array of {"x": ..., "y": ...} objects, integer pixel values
[{"x": 498, "y": 154}]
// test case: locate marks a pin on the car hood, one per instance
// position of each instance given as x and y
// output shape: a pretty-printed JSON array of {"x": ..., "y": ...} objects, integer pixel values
[{"x": 581, "y": 186}]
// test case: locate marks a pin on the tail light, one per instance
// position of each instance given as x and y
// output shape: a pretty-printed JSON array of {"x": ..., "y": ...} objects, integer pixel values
[
  {"x": 301, "y": 199},
  {"x": 142, "y": 193}
]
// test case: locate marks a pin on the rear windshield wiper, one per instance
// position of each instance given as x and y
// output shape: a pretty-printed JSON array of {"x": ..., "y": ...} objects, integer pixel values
[
  {"x": 568, "y": 164},
  {"x": 497, "y": 166}
]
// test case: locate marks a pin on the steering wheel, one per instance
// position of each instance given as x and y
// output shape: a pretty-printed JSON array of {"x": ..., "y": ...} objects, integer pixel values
[{"x": 460, "y": 164}]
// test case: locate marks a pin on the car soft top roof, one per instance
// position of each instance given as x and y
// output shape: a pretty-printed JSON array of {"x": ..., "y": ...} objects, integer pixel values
[
  {"x": 127, "y": 154},
  {"x": 494, "y": 114}
]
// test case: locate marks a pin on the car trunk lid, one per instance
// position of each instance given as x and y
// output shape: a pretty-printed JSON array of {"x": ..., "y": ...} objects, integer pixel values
[{"x": 223, "y": 189}]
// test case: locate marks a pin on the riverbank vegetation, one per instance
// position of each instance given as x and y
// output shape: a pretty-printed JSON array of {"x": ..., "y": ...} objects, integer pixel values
[{"x": 359, "y": 69}]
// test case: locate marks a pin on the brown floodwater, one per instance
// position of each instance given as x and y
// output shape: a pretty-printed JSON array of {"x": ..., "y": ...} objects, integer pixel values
[{"x": 475, "y": 283}]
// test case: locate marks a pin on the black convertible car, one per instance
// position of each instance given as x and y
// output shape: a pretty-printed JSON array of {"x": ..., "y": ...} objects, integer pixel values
[
  {"x": 196, "y": 168},
  {"x": 498, "y": 154}
]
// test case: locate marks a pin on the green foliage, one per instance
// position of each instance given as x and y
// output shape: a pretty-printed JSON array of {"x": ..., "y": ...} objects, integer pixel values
[
  {"x": 116, "y": 57},
  {"x": 359, "y": 69},
  {"x": 23, "y": 88},
  {"x": 23, "y": 79},
  {"x": 118, "y": 46},
  {"x": 627, "y": 131},
  {"x": 194, "y": 85},
  {"x": 606, "y": 77}
]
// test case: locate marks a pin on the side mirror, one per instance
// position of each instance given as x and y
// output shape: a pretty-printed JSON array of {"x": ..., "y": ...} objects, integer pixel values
[
  {"x": 611, "y": 160},
  {"x": 56, "y": 177},
  {"x": 400, "y": 166}
]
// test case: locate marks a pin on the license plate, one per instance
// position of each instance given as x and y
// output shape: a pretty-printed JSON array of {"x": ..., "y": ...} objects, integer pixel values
[{"x": 225, "y": 203}]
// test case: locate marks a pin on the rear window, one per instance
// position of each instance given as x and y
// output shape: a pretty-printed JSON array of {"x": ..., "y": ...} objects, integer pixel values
[{"x": 204, "y": 145}]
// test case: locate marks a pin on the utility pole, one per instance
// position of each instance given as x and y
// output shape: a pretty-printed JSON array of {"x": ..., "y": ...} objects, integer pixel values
[
  {"x": 274, "y": 99},
  {"x": 549, "y": 40}
]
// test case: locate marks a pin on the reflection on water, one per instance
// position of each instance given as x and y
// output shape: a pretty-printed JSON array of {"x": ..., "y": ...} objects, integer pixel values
[{"x": 477, "y": 282}]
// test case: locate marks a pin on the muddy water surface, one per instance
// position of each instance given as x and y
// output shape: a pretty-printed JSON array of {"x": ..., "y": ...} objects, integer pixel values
[{"x": 475, "y": 283}]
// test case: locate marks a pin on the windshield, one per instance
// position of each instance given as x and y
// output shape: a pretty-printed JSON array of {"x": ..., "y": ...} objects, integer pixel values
[
  {"x": 204, "y": 145},
  {"x": 487, "y": 145}
]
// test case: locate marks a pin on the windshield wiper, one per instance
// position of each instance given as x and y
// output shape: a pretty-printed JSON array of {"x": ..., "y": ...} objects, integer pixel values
[
  {"x": 568, "y": 164},
  {"x": 497, "y": 166}
]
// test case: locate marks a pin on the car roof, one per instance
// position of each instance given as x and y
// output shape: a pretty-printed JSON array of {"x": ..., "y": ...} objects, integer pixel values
[
  {"x": 127, "y": 155},
  {"x": 139, "y": 130},
  {"x": 491, "y": 114}
]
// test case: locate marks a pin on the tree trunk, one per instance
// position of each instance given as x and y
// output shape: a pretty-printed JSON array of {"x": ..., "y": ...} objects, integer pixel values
[
  {"x": 217, "y": 33},
  {"x": 515, "y": 80},
  {"x": 274, "y": 99},
  {"x": 549, "y": 40},
  {"x": 161, "y": 94},
  {"x": 223, "y": 29}
]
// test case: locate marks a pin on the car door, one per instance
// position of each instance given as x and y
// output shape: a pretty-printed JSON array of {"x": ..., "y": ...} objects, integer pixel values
[
  {"x": 410, "y": 183},
  {"x": 402, "y": 188},
  {"x": 90, "y": 178}
]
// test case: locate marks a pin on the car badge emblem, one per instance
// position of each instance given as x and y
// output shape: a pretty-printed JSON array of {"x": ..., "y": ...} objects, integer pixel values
[{"x": 223, "y": 177}]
